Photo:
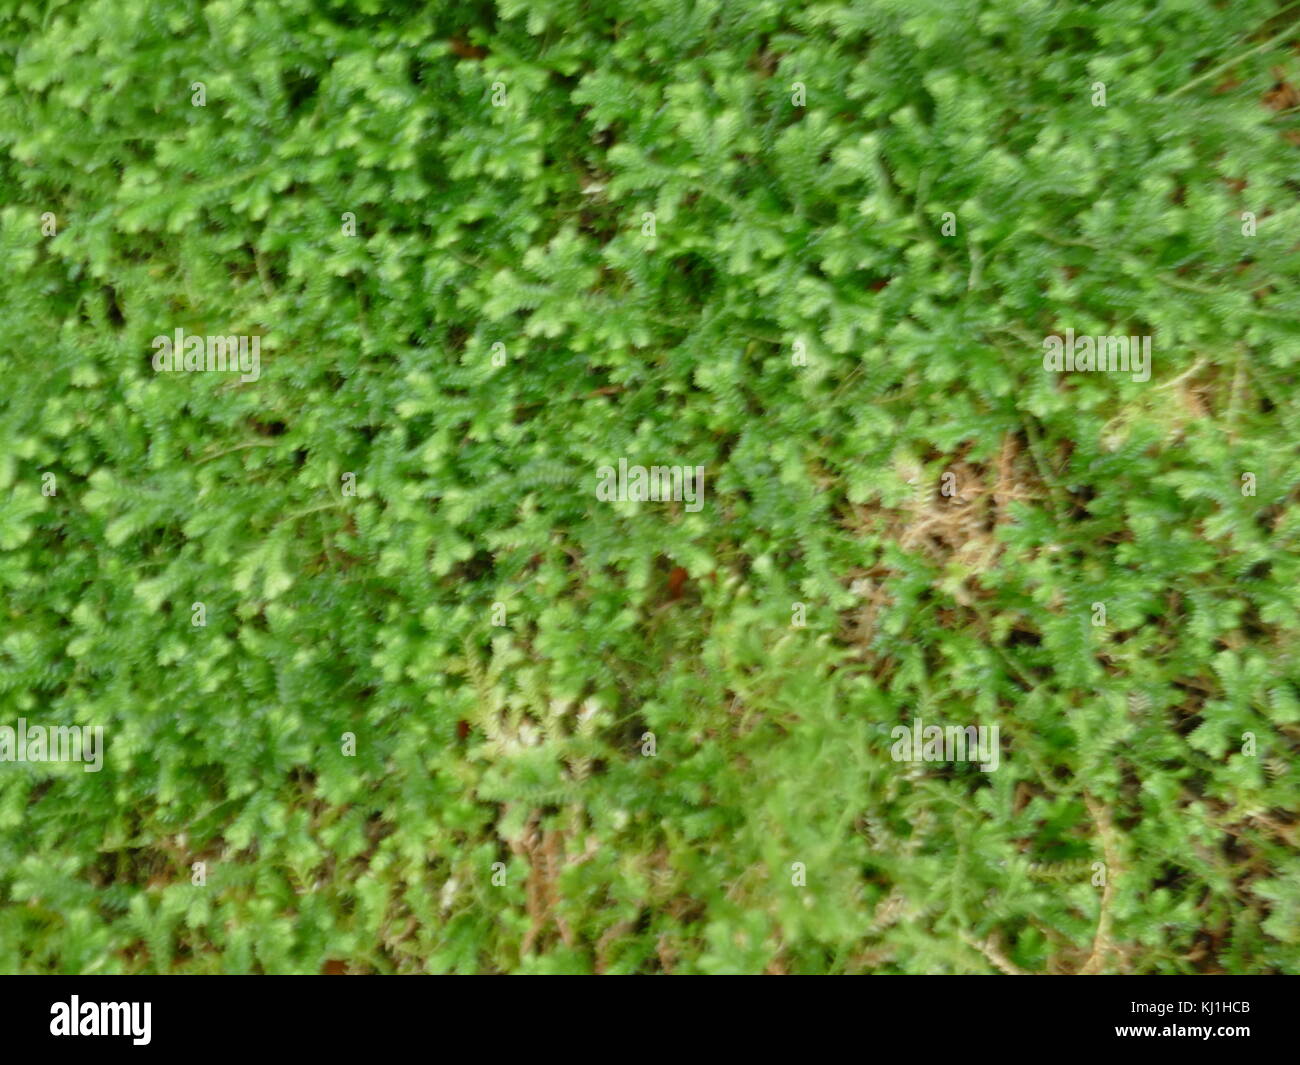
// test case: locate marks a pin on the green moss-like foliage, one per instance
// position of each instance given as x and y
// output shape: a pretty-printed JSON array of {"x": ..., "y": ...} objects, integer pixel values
[{"x": 813, "y": 248}]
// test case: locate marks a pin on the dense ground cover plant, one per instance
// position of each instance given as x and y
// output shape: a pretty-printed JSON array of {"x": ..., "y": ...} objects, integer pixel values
[{"x": 814, "y": 248}]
